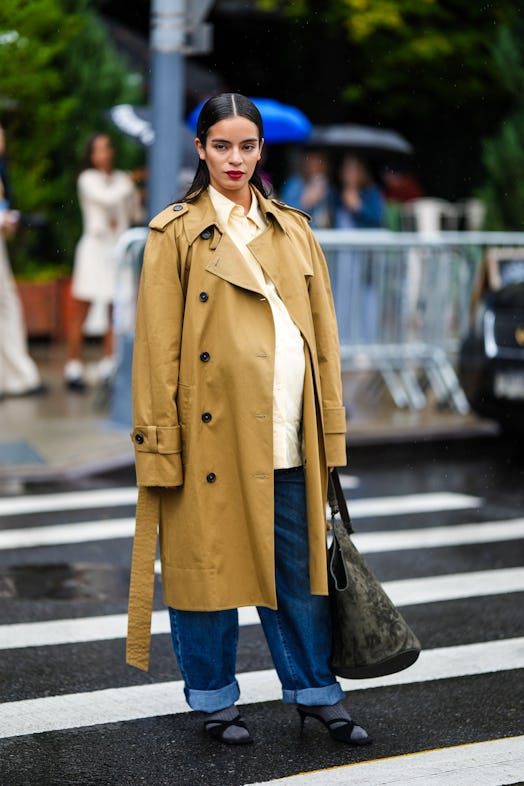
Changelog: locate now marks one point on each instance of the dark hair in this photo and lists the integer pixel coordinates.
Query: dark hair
(87, 158)
(215, 109)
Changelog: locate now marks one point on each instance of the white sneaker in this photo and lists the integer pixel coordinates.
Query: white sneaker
(74, 375)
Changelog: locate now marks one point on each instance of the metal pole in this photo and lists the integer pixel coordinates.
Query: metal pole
(167, 93)
(177, 30)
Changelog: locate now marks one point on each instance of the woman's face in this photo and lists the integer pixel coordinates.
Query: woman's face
(102, 153)
(315, 164)
(354, 172)
(231, 153)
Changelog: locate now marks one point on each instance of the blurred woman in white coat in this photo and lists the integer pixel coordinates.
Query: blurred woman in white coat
(19, 375)
(109, 204)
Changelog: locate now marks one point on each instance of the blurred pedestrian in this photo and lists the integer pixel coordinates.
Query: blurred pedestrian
(19, 375)
(311, 190)
(361, 200)
(400, 186)
(109, 204)
(361, 206)
(238, 416)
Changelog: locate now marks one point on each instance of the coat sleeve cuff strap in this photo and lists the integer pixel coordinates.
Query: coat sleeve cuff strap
(141, 588)
(157, 439)
(334, 420)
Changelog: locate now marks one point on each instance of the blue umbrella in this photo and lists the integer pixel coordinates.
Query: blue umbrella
(282, 122)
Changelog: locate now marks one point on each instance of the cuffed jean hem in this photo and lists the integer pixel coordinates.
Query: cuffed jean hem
(313, 697)
(213, 700)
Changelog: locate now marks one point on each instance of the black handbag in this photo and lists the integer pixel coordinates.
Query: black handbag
(370, 638)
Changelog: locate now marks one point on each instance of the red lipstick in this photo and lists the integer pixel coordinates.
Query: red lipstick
(234, 174)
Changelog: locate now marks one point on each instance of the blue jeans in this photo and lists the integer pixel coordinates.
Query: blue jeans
(298, 633)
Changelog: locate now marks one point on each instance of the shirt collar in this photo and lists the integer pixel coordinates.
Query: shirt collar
(224, 207)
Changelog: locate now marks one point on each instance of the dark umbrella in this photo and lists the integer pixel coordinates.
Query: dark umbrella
(282, 122)
(364, 139)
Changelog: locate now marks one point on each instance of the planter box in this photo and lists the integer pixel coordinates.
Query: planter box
(46, 307)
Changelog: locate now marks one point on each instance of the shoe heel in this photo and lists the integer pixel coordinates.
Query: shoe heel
(303, 716)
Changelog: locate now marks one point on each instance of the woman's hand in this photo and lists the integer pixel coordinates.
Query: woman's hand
(138, 175)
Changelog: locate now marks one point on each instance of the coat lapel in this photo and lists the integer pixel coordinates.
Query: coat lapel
(287, 274)
(228, 263)
(274, 251)
(263, 249)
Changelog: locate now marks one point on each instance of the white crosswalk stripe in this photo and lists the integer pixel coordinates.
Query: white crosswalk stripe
(71, 500)
(491, 763)
(102, 498)
(113, 529)
(407, 592)
(411, 503)
(349, 482)
(32, 716)
(62, 534)
(434, 589)
(432, 537)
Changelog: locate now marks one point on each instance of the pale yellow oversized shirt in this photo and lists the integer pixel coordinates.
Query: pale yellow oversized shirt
(288, 384)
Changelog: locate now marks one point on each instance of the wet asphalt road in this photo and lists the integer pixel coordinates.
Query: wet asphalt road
(83, 580)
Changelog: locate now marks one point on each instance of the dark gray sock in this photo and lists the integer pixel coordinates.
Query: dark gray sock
(227, 714)
(329, 712)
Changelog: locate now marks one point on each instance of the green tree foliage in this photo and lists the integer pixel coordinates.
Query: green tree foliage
(59, 73)
(434, 51)
(423, 67)
(503, 154)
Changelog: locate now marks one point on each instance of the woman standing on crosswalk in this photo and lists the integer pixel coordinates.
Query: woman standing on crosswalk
(238, 417)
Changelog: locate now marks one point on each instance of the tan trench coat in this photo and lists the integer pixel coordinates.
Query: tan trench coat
(203, 403)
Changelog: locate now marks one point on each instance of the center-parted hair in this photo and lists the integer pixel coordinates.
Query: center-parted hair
(222, 107)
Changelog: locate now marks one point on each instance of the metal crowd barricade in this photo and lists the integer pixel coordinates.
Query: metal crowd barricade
(129, 254)
(402, 303)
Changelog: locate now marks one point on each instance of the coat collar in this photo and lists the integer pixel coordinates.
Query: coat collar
(227, 262)
(201, 214)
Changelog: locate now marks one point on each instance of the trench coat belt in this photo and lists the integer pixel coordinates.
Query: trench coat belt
(142, 582)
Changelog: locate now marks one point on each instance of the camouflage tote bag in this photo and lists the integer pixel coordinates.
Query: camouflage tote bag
(370, 638)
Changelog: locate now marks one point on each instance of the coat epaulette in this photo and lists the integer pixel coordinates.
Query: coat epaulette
(289, 207)
(163, 219)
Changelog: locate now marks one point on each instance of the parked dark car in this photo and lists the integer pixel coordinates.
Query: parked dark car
(491, 363)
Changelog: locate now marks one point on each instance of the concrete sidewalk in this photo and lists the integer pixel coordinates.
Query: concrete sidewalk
(60, 435)
(68, 435)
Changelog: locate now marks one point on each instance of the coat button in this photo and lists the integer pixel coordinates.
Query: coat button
(211, 477)
(207, 417)
(177, 208)
(203, 296)
(139, 438)
(206, 234)
(204, 357)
